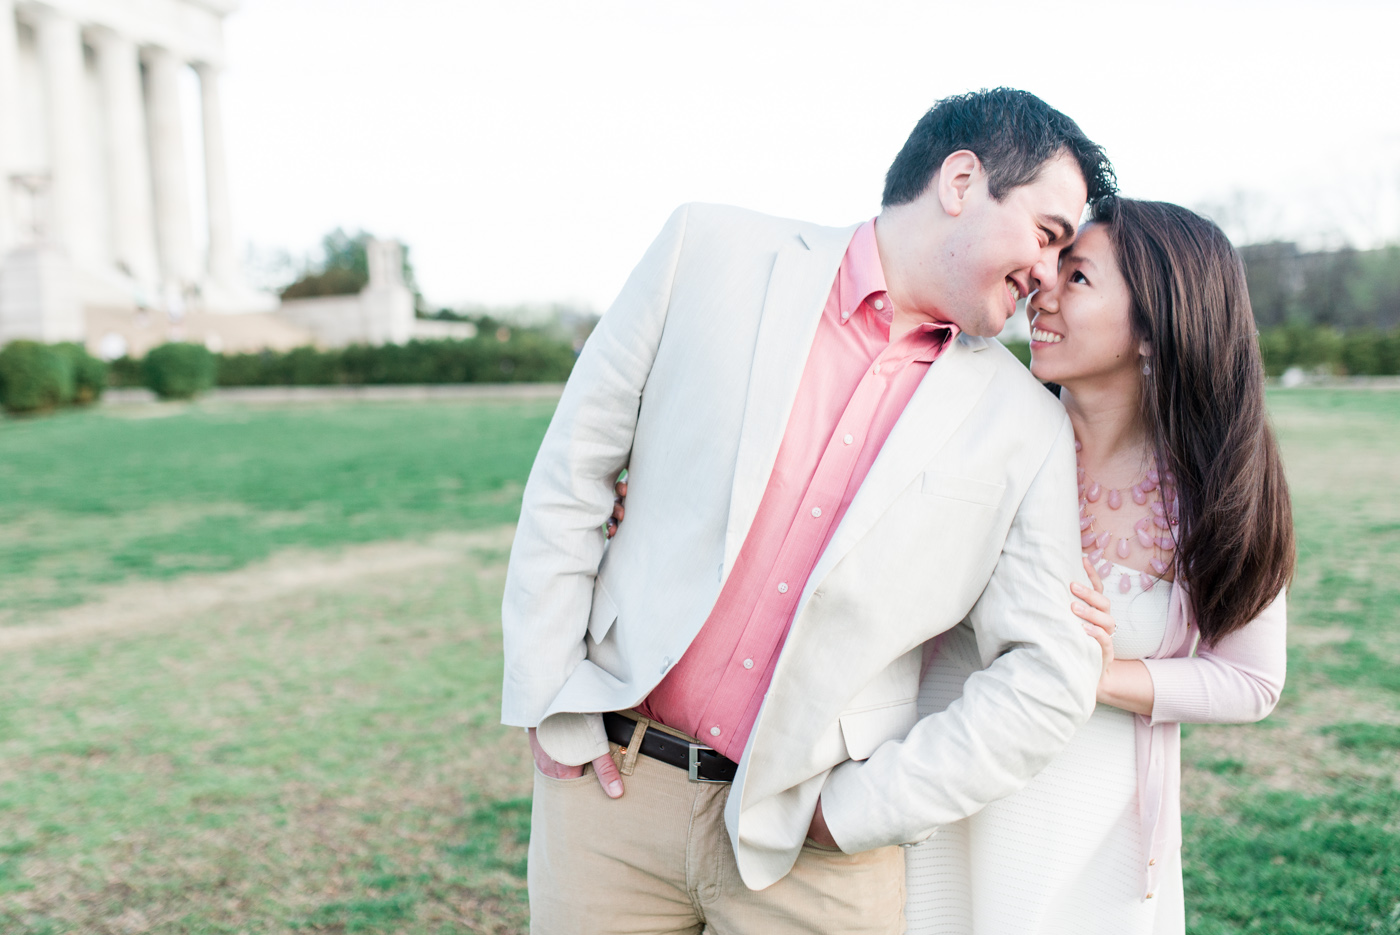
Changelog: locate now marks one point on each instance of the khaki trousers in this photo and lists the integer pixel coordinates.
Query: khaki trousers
(659, 860)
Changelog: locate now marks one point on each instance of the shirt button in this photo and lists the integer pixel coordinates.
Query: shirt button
(714, 731)
(1149, 895)
(1152, 862)
(782, 587)
(845, 316)
(848, 439)
(748, 663)
(816, 511)
(876, 369)
(879, 304)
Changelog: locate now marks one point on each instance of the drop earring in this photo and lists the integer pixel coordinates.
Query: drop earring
(1146, 368)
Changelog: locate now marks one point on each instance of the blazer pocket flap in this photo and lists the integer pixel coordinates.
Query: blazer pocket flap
(939, 484)
(864, 731)
(603, 613)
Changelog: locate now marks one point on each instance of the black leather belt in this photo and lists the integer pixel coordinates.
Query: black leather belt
(701, 763)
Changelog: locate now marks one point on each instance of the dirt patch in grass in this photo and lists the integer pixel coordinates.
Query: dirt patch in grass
(1297, 750)
(310, 743)
(147, 605)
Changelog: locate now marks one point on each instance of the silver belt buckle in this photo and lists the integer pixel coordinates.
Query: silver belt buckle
(694, 771)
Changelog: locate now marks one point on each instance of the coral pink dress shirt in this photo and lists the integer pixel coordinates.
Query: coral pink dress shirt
(854, 387)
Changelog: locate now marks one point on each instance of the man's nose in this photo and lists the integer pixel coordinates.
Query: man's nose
(1045, 272)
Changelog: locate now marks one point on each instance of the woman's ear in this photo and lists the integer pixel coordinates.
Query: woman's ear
(1144, 348)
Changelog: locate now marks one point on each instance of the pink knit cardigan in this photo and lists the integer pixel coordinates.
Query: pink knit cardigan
(1234, 682)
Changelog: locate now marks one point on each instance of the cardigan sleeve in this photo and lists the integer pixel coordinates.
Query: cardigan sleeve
(1237, 681)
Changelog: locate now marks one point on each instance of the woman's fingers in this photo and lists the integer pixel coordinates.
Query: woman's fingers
(1105, 643)
(1091, 597)
(1093, 572)
(1098, 618)
(618, 511)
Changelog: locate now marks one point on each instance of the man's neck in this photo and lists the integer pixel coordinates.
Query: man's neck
(900, 263)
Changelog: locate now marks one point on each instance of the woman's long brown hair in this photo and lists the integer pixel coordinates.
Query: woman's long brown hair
(1203, 403)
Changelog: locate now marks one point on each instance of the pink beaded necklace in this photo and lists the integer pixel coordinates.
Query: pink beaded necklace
(1155, 534)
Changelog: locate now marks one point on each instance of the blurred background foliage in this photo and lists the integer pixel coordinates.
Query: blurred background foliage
(1331, 312)
(342, 268)
(1326, 312)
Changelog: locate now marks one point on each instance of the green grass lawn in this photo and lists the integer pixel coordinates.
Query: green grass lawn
(90, 498)
(1293, 825)
(328, 759)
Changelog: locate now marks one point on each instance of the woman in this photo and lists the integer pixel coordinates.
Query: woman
(1187, 530)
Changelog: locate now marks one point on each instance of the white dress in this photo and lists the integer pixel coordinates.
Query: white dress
(1064, 855)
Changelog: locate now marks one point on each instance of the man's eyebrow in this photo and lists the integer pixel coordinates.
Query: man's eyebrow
(1066, 228)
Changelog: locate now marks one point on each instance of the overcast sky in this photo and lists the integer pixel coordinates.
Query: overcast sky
(529, 151)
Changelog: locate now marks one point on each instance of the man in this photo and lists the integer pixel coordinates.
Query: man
(829, 465)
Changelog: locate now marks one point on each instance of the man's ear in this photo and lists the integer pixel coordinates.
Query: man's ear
(955, 178)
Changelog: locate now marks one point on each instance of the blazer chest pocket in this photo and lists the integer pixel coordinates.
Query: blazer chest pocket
(864, 731)
(603, 613)
(956, 487)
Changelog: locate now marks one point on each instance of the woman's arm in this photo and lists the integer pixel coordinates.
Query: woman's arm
(1237, 681)
(1128, 685)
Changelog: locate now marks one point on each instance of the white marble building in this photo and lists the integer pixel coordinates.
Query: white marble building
(95, 195)
(97, 209)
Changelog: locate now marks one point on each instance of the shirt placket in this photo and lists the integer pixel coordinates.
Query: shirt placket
(750, 667)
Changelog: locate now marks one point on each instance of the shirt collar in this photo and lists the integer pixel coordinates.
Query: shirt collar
(861, 274)
(862, 277)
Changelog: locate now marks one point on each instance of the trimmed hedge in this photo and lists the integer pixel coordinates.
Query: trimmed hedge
(34, 377)
(89, 373)
(178, 370)
(525, 357)
(1353, 353)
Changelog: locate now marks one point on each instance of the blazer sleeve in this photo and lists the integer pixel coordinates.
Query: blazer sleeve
(569, 495)
(1237, 681)
(1014, 715)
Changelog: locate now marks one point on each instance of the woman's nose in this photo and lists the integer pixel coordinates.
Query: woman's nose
(1045, 299)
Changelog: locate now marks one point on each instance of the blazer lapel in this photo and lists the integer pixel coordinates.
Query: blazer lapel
(953, 385)
(803, 272)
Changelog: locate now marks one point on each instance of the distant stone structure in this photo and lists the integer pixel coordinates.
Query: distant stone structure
(382, 313)
(97, 238)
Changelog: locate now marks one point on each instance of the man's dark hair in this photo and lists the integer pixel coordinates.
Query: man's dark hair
(1014, 133)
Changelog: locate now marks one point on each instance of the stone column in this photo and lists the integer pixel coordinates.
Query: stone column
(9, 123)
(174, 227)
(71, 218)
(223, 256)
(128, 166)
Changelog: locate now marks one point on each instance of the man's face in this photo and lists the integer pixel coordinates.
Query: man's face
(1001, 251)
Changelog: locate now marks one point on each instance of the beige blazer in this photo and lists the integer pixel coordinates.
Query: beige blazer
(969, 512)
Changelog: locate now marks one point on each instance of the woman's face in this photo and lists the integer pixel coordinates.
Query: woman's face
(1080, 326)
